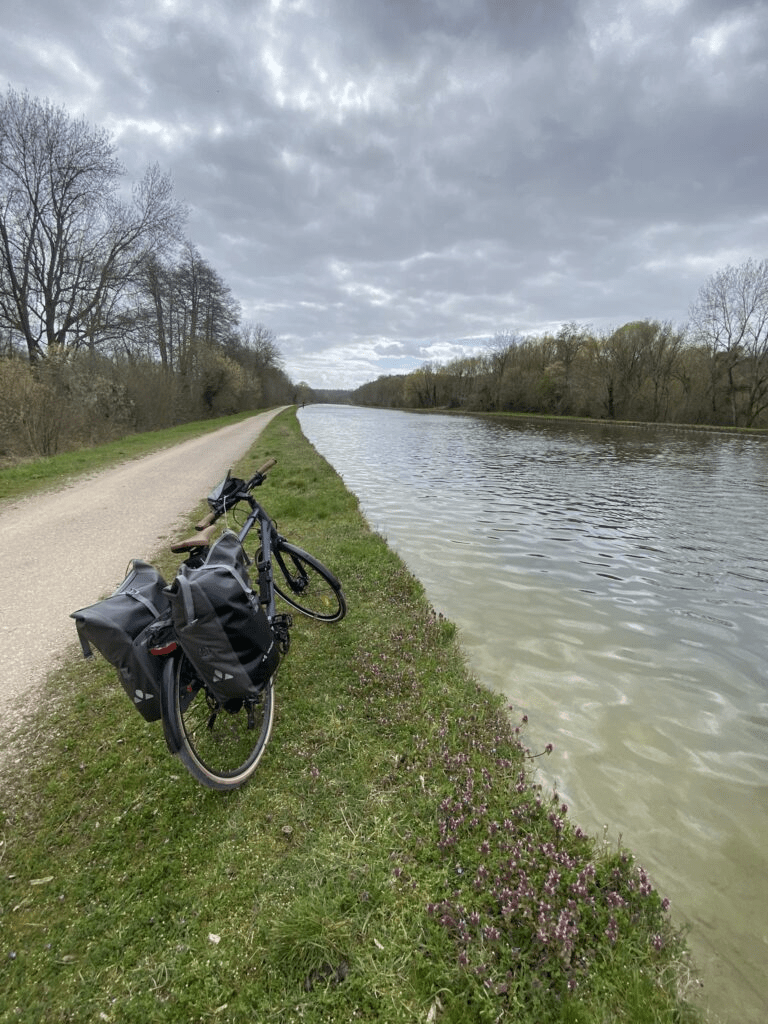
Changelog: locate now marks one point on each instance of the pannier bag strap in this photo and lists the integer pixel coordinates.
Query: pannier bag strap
(231, 571)
(186, 597)
(148, 604)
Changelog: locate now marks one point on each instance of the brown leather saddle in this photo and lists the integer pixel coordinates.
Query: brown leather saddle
(198, 540)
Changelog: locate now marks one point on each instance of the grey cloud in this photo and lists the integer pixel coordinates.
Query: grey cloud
(376, 181)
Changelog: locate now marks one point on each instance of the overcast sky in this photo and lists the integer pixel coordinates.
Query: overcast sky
(383, 182)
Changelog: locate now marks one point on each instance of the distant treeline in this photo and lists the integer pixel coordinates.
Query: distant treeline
(712, 371)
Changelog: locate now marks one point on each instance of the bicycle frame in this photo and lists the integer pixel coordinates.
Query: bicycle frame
(259, 516)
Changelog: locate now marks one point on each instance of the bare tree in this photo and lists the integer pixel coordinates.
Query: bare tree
(661, 348)
(154, 313)
(69, 243)
(499, 356)
(258, 346)
(254, 347)
(183, 305)
(569, 341)
(730, 318)
(211, 313)
(421, 386)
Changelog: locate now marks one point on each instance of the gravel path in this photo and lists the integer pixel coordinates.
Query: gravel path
(66, 549)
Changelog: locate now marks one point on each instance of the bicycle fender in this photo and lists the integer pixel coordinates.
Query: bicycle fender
(171, 733)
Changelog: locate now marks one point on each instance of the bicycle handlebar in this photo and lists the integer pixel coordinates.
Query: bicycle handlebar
(266, 467)
(206, 521)
(219, 502)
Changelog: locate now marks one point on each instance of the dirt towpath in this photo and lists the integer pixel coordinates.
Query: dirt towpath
(66, 549)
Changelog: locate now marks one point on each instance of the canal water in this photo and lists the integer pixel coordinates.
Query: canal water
(612, 582)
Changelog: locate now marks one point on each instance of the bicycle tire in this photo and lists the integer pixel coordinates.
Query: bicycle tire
(305, 584)
(220, 752)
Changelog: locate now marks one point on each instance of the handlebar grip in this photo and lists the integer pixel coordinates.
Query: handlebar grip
(263, 470)
(206, 521)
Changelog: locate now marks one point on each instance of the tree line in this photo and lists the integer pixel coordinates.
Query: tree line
(713, 370)
(110, 318)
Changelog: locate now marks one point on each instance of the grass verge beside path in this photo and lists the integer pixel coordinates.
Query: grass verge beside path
(391, 860)
(34, 475)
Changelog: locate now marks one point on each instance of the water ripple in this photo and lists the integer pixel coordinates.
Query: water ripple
(613, 584)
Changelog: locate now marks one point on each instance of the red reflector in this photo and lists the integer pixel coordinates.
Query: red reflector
(167, 649)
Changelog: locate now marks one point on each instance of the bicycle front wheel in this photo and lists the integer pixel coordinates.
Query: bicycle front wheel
(305, 584)
(220, 746)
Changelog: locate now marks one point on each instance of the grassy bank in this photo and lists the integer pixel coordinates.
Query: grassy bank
(30, 476)
(392, 859)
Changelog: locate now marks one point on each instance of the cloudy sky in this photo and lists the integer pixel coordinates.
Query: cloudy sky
(383, 182)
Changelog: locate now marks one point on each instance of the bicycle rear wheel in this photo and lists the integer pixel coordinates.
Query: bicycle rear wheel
(305, 583)
(220, 746)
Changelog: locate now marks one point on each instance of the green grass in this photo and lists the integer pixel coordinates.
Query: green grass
(35, 475)
(392, 859)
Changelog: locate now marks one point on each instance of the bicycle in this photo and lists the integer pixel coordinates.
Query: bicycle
(221, 744)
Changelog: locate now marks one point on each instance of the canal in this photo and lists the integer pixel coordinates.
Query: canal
(612, 582)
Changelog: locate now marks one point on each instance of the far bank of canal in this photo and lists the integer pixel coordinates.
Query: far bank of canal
(612, 582)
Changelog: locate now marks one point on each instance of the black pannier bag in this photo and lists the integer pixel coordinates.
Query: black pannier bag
(122, 626)
(221, 626)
